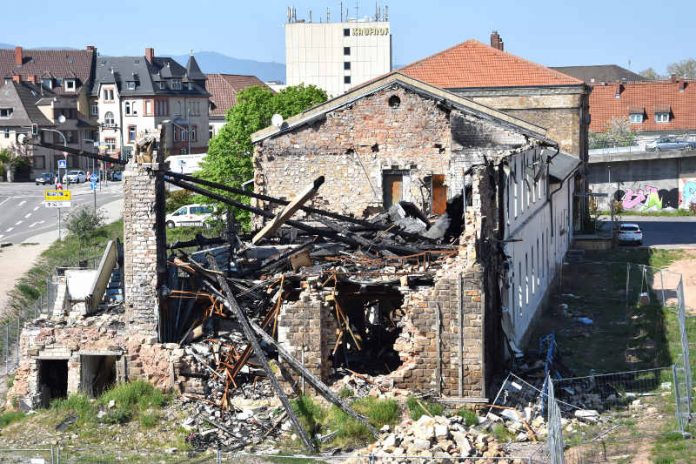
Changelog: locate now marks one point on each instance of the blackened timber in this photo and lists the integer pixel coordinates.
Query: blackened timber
(261, 355)
(261, 212)
(75, 151)
(308, 209)
(313, 380)
(368, 243)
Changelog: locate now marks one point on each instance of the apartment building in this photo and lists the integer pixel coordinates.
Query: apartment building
(38, 87)
(223, 89)
(133, 96)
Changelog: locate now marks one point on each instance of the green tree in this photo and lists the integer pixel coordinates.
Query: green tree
(651, 74)
(684, 69)
(229, 154)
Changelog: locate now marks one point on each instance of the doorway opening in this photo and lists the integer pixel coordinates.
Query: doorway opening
(53, 380)
(97, 374)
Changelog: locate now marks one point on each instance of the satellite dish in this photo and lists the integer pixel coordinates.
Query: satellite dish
(61, 119)
(21, 138)
(277, 120)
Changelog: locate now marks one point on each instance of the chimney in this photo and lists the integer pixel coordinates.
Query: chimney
(673, 78)
(19, 56)
(33, 78)
(496, 41)
(91, 48)
(17, 78)
(682, 85)
(150, 54)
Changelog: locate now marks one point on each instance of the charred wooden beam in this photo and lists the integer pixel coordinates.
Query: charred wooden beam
(308, 209)
(287, 212)
(77, 152)
(261, 355)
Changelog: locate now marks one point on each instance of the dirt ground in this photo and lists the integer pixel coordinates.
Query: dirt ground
(687, 269)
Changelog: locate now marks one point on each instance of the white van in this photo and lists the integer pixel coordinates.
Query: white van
(189, 215)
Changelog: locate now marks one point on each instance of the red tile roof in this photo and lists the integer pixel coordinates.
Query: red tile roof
(651, 97)
(474, 64)
(223, 89)
(56, 63)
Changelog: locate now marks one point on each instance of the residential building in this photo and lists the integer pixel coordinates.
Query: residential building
(223, 90)
(400, 139)
(337, 56)
(27, 106)
(597, 74)
(39, 86)
(132, 96)
(518, 87)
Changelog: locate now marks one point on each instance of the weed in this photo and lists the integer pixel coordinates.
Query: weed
(469, 416)
(134, 395)
(345, 393)
(10, 417)
(501, 434)
(379, 412)
(149, 419)
(9, 381)
(310, 413)
(118, 415)
(78, 404)
(417, 407)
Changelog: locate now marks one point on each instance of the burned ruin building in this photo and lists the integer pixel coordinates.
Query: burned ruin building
(495, 181)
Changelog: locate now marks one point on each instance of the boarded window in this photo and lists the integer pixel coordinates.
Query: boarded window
(439, 192)
(393, 188)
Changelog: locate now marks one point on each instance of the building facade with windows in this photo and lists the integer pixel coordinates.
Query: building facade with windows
(133, 96)
(337, 56)
(39, 86)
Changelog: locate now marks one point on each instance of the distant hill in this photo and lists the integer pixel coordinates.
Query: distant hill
(2, 45)
(214, 62)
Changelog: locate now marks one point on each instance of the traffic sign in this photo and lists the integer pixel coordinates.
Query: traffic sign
(57, 204)
(57, 195)
(62, 164)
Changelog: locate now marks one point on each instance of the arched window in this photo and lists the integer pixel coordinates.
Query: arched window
(109, 118)
(128, 108)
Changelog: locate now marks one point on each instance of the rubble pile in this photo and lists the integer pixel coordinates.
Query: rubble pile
(436, 437)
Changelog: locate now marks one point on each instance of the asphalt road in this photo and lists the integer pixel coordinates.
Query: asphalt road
(23, 215)
(666, 232)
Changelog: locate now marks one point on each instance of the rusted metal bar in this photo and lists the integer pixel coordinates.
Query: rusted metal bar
(249, 333)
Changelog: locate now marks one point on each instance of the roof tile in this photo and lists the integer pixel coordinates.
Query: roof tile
(474, 64)
(224, 88)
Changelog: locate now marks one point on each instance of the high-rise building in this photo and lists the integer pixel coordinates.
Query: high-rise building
(337, 56)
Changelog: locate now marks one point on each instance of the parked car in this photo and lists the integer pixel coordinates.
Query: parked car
(45, 178)
(189, 215)
(74, 177)
(630, 234)
(669, 143)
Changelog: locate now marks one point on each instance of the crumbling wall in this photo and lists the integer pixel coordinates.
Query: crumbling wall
(353, 146)
(307, 331)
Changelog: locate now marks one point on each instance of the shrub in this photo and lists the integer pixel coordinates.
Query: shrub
(178, 198)
(77, 404)
(417, 407)
(149, 419)
(119, 415)
(345, 392)
(84, 222)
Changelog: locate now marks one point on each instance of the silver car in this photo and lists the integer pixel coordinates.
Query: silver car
(74, 176)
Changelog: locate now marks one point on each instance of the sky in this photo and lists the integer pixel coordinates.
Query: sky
(551, 32)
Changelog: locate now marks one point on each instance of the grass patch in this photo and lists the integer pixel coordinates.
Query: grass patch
(502, 434)
(318, 420)
(676, 212)
(11, 416)
(77, 404)
(417, 407)
(469, 416)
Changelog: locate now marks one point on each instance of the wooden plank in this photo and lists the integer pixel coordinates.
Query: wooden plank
(288, 211)
(439, 194)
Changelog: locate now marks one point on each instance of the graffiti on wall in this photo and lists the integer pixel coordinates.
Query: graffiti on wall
(688, 192)
(647, 197)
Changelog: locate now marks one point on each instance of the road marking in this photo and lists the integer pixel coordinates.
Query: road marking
(27, 216)
(22, 202)
(6, 199)
(1, 236)
(36, 223)
(36, 207)
(18, 223)
(9, 229)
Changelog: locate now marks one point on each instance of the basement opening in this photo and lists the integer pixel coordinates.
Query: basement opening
(365, 338)
(97, 374)
(53, 380)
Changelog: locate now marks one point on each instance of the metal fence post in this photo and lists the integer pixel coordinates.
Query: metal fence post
(219, 456)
